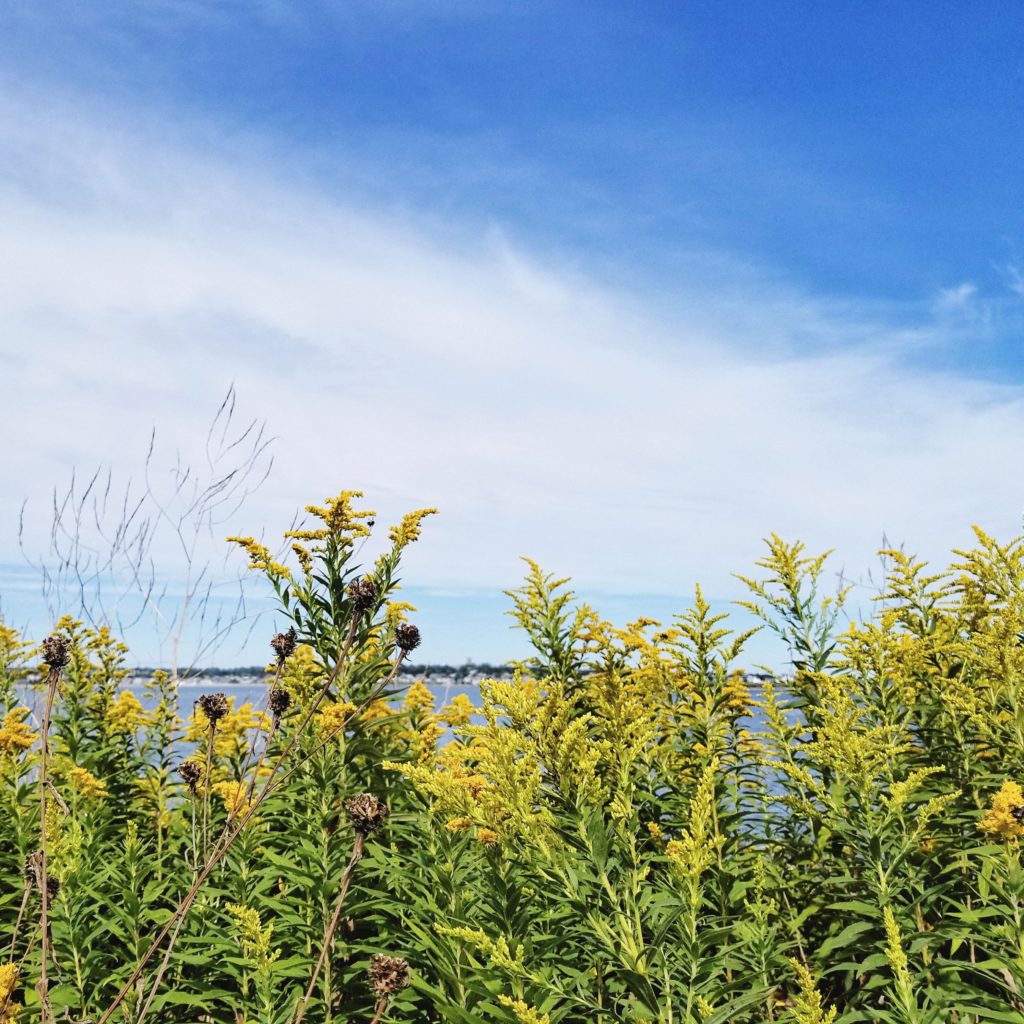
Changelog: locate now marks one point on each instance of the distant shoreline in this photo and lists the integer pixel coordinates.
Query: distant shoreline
(467, 673)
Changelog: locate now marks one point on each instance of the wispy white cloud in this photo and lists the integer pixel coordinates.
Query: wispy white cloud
(638, 444)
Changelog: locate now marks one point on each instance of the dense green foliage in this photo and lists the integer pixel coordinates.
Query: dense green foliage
(629, 830)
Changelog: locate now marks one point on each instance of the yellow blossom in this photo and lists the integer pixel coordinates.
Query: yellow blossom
(487, 836)
(332, 718)
(260, 557)
(8, 982)
(410, 527)
(807, 1008)
(394, 612)
(377, 710)
(524, 1013)
(1000, 821)
(419, 698)
(341, 521)
(458, 712)
(459, 824)
(86, 783)
(15, 734)
(125, 714)
(254, 936)
(305, 557)
(233, 795)
(230, 739)
(301, 676)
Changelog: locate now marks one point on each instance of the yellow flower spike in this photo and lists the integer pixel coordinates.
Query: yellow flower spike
(86, 783)
(126, 714)
(409, 529)
(459, 824)
(260, 557)
(1000, 820)
(487, 836)
(301, 675)
(894, 951)
(807, 1008)
(15, 734)
(418, 699)
(8, 982)
(424, 741)
(254, 938)
(523, 1012)
(304, 556)
(377, 710)
(394, 612)
(341, 521)
(332, 718)
(458, 712)
(233, 796)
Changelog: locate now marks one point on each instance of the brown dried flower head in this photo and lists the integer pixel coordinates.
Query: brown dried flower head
(279, 702)
(407, 637)
(362, 594)
(388, 974)
(32, 864)
(214, 705)
(57, 650)
(367, 813)
(284, 644)
(52, 887)
(191, 773)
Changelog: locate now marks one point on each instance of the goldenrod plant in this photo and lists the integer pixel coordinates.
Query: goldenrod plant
(630, 827)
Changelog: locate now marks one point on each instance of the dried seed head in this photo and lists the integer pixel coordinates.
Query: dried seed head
(279, 702)
(367, 813)
(284, 644)
(52, 887)
(191, 773)
(214, 705)
(388, 974)
(32, 863)
(362, 594)
(407, 637)
(57, 650)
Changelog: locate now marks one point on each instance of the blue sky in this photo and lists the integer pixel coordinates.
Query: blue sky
(661, 277)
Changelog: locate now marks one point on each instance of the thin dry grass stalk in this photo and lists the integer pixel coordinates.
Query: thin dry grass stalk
(56, 654)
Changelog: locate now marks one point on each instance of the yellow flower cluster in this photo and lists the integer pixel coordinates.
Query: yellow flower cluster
(126, 714)
(341, 521)
(499, 951)
(15, 734)
(231, 736)
(8, 982)
(524, 1013)
(418, 699)
(377, 710)
(233, 795)
(85, 783)
(409, 529)
(458, 712)
(301, 676)
(260, 557)
(254, 937)
(807, 1008)
(332, 718)
(999, 820)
